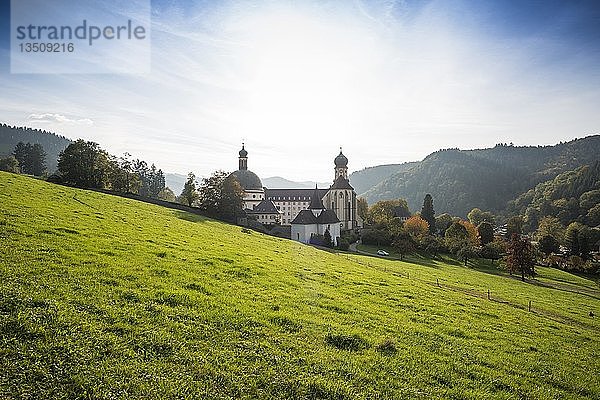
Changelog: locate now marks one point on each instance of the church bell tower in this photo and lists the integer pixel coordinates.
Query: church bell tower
(243, 160)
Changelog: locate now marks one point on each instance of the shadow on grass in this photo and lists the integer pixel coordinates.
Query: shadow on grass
(414, 258)
(190, 217)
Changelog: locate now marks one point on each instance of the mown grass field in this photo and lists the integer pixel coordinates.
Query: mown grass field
(104, 297)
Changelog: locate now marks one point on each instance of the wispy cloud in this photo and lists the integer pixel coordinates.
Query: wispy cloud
(389, 80)
(59, 118)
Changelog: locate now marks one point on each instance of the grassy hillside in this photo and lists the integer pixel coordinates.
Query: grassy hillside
(460, 180)
(104, 297)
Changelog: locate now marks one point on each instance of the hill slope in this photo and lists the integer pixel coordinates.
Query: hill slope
(366, 178)
(571, 196)
(105, 297)
(460, 180)
(53, 144)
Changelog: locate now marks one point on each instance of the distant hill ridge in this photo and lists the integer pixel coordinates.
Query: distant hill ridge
(366, 178)
(460, 180)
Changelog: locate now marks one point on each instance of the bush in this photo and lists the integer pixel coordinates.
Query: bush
(377, 237)
(574, 263)
(54, 178)
(343, 244)
(350, 236)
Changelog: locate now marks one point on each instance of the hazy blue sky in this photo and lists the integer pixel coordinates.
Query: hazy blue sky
(390, 81)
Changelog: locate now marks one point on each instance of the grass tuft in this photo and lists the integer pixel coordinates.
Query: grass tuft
(347, 342)
(387, 347)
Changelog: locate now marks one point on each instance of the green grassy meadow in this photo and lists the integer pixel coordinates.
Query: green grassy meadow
(110, 298)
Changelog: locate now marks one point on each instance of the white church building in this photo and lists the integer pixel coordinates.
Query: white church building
(309, 212)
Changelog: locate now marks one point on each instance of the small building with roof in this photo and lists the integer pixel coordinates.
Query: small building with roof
(315, 221)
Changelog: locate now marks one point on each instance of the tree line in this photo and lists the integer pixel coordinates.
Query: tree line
(478, 237)
(52, 143)
(26, 158)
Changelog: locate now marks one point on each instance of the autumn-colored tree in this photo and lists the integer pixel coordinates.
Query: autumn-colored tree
(416, 227)
(521, 256)
(472, 232)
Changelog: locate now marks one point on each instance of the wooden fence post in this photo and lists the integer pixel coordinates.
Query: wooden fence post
(530, 305)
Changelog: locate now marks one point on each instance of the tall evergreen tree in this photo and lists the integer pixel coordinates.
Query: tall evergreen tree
(31, 158)
(37, 159)
(189, 194)
(428, 213)
(327, 242)
(21, 153)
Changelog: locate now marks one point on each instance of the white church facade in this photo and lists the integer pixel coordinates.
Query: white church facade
(332, 209)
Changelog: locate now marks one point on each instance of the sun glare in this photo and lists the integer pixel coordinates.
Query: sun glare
(301, 65)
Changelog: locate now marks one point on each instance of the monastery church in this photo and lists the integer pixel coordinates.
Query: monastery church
(308, 212)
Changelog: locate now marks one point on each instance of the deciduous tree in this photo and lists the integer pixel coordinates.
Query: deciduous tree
(84, 164)
(443, 222)
(485, 232)
(383, 211)
(456, 236)
(404, 244)
(476, 217)
(9, 164)
(521, 256)
(167, 195)
(514, 225)
(362, 208)
(416, 227)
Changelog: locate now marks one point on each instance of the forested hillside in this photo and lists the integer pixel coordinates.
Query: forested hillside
(366, 178)
(460, 180)
(571, 196)
(53, 144)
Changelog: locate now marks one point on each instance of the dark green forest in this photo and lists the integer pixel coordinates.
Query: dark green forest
(571, 196)
(52, 143)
